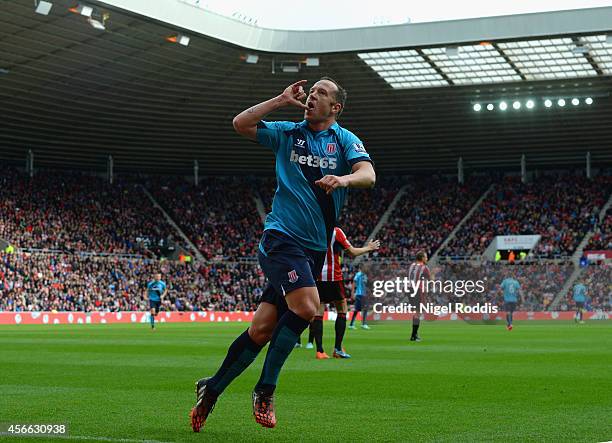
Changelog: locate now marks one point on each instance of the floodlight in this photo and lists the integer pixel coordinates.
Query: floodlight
(290, 67)
(179, 38)
(82, 9)
(43, 7)
(96, 24)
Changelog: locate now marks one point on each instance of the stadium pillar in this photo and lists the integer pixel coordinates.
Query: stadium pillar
(460, 170)
(523, 169)
(588, 165)
(30, 163)
(196, 169)
(110, 166)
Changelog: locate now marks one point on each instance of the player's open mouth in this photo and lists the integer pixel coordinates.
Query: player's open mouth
(310, 106)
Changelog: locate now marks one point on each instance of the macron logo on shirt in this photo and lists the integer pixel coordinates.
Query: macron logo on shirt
(313, 160)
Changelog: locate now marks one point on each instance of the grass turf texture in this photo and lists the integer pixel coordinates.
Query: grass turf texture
(548, 381)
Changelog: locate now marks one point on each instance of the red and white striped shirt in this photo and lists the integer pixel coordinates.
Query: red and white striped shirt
(332, 270)
(418, 272)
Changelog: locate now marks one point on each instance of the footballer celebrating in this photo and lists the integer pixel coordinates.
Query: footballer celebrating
(316, 161)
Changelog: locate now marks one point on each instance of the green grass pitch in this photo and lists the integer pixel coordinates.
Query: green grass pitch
(547, 381)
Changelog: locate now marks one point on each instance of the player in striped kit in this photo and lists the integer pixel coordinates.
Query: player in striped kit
(417, 273)
(331, 289)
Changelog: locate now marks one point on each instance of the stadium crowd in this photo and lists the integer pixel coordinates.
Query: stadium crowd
(219, 216)
(602, 237)
(598, 280)
(70, 211)
(77, 213)
(540, 282)
(67, 282)
(427, 212)
(561, 208)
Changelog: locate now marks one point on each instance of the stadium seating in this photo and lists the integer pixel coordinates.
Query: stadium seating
(63, 282)
(561, 208)
(219, 216)
(427, 213)
(602, 238)
(72, 214)
(540, 282)
(598, 280)
(70, 211)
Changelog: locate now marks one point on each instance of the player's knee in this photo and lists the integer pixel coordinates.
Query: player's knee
(306, 310)
(261, 333)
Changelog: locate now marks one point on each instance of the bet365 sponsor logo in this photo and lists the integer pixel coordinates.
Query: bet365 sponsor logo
(313, 160)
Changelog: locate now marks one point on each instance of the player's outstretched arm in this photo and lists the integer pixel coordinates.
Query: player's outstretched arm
(245, 123)
(372, 245)
(362, 176)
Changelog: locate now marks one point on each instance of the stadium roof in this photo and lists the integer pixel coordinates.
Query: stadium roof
(74, 94)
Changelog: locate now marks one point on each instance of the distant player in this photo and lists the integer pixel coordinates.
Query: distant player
(156, 289)
(580, 298)
(418, 272)
(360, 282)
(332, 290)
(511, 288)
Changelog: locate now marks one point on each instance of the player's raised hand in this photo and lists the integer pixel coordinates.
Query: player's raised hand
(373, 245)
(331, 182)
(294, 94)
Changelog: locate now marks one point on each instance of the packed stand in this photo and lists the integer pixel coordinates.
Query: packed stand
(540, 282)
(427, 213)
(219, 216)
(598, 280)
(560, 208)
(602, 237)
(64, 282)
(364, 208)
(71, 211)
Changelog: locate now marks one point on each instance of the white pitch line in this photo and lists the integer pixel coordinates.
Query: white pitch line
(85, 437)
